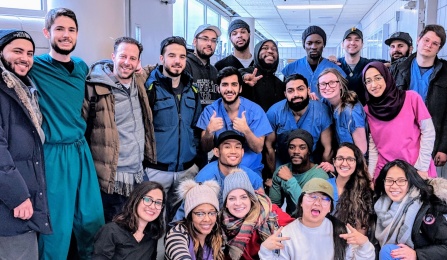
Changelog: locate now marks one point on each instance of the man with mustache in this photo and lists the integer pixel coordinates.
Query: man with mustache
(297, 111)
(239, 33)
(289, 178)
(176, 107)
(119, 124)
(23, 199)
(74, 199)
(310, 66)
(401, 45)
(232, 112)
(426, 74)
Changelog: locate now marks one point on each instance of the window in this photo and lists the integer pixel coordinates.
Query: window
(23, 7)
(196, 17)
(179, 18)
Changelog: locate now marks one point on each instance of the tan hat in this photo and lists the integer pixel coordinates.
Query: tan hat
(319, 185)
(195, 194)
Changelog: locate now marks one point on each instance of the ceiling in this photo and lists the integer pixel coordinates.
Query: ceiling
(286, 26)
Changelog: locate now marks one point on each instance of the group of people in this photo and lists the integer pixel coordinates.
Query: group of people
(209, 156)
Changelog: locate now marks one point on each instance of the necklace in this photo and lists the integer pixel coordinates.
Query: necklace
(351, 73)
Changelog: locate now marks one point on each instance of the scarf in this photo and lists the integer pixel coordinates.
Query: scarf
(238, 231)
(29, 100)
(394, 227)
(388, 105)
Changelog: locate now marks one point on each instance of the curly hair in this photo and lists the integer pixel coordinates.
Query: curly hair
(355, 205)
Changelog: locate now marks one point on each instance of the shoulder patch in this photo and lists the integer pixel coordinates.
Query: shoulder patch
(150, 86)
(195, 89)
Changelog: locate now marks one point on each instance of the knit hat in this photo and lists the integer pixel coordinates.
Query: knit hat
(204, 27)
(318, 185)
(313, 30)
(237, 179)
(229, 134)
(303, 135)
(402, 36)
(8, 35)
(195, 194)
(236, 24)
(354, 31)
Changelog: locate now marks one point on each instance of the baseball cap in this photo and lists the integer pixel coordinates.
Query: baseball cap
(204, 27)
(318, 185)
(403, 36)
(354, 31)
(229, 134)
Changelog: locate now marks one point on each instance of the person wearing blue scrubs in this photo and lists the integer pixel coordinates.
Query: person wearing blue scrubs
(231, 112)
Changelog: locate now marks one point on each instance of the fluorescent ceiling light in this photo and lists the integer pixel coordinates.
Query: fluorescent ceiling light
(305, 7)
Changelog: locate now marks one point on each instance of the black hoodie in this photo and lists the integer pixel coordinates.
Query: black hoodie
(269, 89)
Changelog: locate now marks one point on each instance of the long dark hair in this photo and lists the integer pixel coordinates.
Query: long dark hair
(338, 228)
(355, 205)
(128, 218)
(213, 240)
(413, 178)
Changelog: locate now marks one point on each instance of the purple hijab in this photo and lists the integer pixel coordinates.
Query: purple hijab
(388, 105)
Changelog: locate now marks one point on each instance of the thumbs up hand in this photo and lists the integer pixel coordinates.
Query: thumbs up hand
(240, 124)
(215, 124)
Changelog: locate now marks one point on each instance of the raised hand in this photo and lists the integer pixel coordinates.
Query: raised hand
(215, 124)
(240, 124)
(327, 167)
(274, 241)
(355, 237)
(285, 173)
(252, 79)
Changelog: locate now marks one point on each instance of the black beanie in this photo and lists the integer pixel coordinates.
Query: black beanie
(313, 30)
(303, 135)
(8, 35)
(236, 24)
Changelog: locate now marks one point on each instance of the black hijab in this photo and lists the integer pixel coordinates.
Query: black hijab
(388, 105)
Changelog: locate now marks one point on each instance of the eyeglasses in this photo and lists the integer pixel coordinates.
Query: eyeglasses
(201, 215)
(311, 198)
(148, 201)
(375, 79)
(331, 84)
(340, 160)
(399, 182)
(206, 39)
(427, 42)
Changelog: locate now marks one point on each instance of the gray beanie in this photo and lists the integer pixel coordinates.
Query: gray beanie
(236, 24)
(303, 135)
(313, 30)
(237, 179)
(195, 194)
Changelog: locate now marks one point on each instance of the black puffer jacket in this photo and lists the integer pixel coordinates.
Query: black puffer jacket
(269, 89)
(21, 167)
(436, 95)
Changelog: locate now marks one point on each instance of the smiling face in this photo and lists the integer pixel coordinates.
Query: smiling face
(148, 214)
(173, 60)
(238, 203)
(205, 44)
(18, 55)
(230, 153)
(125, 61)
(202, 220)
(268, 53)
(345, 162)
(395, 192)
(315, 211)
(230, 89)
(352, 44)
(314, 46)
(296, 94)
(399, 49)
(375, 83)
(63, 35)
(429, 45)
(332, 88)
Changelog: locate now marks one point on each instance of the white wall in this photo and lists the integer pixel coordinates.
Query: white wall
(442, 20)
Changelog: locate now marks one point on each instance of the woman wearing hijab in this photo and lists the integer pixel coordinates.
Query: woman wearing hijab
(399, 123)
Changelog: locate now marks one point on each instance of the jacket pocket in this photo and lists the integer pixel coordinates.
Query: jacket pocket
(165, 113)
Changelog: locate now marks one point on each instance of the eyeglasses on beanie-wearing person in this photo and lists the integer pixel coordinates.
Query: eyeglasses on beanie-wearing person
(134, 232)
(410, 213)
(316, 234)
(247, 218)
(399, 123)
(198, 235)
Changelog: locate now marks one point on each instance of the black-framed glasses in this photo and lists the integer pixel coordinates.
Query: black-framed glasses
(311, 198)
(399, 182)
(331, 84)
(375, 79)
(201, 215)
(206, 39)
(340, 160)
(148, 201)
